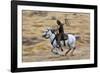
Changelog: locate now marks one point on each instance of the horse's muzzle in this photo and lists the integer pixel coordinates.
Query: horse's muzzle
(43, 35)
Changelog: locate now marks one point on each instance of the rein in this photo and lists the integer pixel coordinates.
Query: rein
(53, 40)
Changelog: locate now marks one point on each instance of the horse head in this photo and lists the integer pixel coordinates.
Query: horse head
(47, 33)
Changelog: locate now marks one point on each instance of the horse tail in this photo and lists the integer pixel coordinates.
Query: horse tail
(77, 37)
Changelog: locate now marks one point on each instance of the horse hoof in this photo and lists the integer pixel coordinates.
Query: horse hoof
(65, 55)
(62, 55)
(72, 54)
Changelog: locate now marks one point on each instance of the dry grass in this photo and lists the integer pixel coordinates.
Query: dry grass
(36, 48)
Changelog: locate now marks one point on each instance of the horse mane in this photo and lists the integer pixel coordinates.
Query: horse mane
(53, 31)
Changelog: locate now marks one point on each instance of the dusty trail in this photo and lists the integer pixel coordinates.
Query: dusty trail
(48, 56)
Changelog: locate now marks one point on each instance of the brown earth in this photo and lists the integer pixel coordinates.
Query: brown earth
(36, 48)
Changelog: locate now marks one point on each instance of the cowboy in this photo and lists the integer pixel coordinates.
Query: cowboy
(60, 33)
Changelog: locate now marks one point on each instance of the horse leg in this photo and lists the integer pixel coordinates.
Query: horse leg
(61, 48)
(73, 51)
(54, 50)
(67, 51)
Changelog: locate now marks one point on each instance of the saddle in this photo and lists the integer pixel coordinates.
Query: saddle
(65, 37)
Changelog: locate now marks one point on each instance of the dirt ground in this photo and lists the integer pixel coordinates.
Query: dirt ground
(36, 48)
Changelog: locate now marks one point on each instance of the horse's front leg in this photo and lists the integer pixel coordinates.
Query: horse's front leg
(61, 48)
(54, 50)
(60, 52)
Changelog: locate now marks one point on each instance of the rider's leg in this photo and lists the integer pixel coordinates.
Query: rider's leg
(63, 39)
(59, 38)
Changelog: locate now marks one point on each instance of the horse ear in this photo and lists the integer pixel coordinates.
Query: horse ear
(48, 28)
(52, 31)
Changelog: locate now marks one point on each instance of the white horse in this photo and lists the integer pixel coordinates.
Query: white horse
(70, 42)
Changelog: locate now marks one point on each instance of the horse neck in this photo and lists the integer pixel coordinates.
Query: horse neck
(52, 36)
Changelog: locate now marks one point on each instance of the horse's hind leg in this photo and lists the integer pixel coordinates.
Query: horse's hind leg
(67, 51)
(73, 51)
